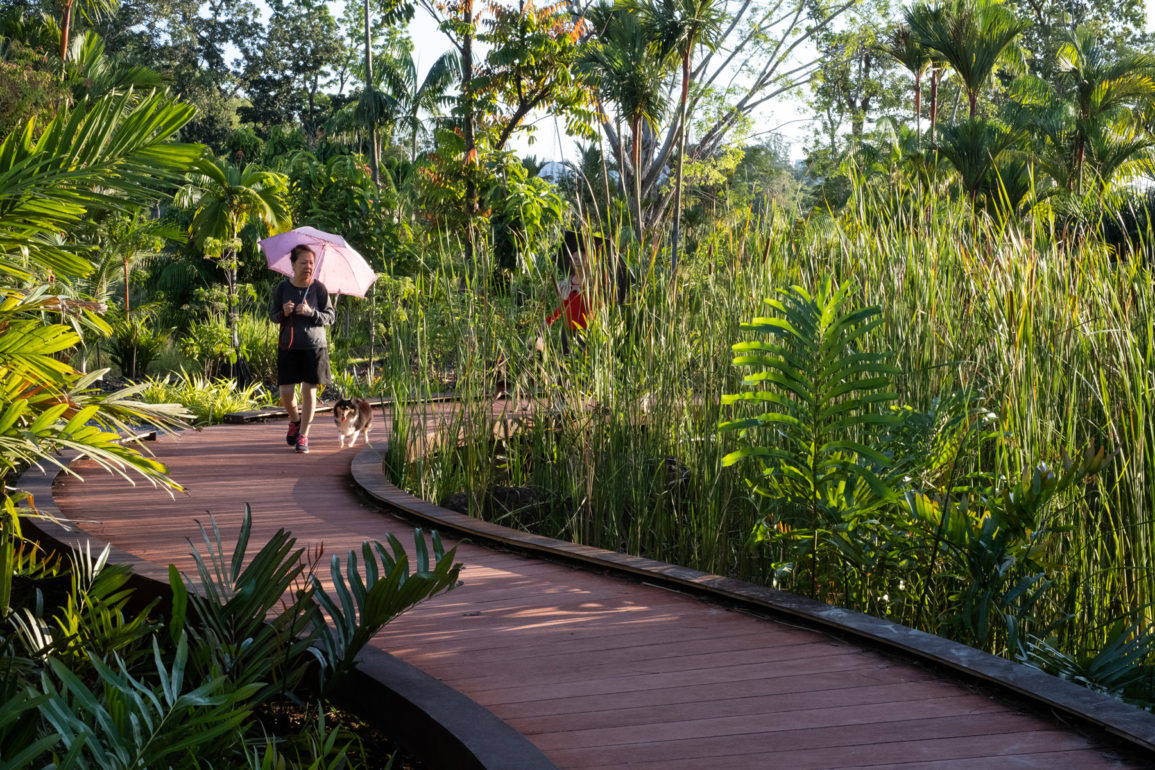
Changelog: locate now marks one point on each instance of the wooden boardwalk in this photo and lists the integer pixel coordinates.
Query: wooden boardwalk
(597, 671)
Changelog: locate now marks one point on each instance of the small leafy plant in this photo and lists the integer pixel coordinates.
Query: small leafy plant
(817, 394)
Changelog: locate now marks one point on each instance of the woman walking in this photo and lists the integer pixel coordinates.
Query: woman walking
(301, 305)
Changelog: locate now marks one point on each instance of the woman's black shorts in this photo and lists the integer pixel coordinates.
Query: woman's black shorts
(309, 365)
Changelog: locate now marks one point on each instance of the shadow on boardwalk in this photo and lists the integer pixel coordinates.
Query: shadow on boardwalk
(597, 671)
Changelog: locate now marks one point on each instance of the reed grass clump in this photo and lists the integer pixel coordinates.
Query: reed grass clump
(1014, 346)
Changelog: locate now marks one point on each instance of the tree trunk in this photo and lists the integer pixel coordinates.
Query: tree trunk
(374, 152)
(65, 29)
(1076, 181)
(231, 321)
(684, 119)
(934, 76)
(636, 151)
(918, 110)
(126, 289)
(468, 128)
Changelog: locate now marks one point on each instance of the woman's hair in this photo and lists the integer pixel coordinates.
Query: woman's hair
(299, 250)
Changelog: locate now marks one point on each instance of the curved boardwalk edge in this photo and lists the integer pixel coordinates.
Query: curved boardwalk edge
(437, 723)
(1125, 721)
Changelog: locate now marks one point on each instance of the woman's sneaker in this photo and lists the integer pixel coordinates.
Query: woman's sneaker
(302, 445)
(294, 431)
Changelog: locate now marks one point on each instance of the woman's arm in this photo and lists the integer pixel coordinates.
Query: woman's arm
(324, 313)
(275, 305)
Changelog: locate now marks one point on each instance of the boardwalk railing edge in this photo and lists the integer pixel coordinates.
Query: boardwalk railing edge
(437, 723)
(1121, 719)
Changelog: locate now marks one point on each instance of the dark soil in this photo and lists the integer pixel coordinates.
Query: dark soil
(369, 748)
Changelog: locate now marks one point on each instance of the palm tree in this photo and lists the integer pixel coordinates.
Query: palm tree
(227, 198)
(973, 147)
(914, 16)
(901, 45)
(1104, 90)
(621, 61)
(91, 73)
(1127, 152)
(125, 242)
(974, 37)
(677, 28)
(92, 10)
(411, 99)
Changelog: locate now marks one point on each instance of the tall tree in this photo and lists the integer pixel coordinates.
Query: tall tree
(855, 80)
(202, 48)
(763, 56)
(630, 78)
(414, 99)
(1118, 24)
(303, 47)
(530, 65)
(458, 20)
(900, 45)
(1103, 87)
(920, 15)
(1092, 114)
(678, 28)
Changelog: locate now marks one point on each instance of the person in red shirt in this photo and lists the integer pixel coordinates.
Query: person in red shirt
(590, 276)
(574, 307)
(574, 261)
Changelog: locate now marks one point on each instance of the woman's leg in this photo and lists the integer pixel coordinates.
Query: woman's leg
(308, 406)
(288, 400)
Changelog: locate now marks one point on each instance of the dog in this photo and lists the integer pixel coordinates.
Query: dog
(352, 416)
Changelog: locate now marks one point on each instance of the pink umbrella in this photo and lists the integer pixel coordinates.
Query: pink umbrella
(339, 266)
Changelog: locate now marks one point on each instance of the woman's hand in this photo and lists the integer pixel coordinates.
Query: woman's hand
(304, 309)
(287, 309)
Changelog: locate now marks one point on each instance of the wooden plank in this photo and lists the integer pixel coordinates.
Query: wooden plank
(739, 703)
(628, 681)
(603, 665)
(880, 715)
(981, 735)
(1042, 760)
(774, 689)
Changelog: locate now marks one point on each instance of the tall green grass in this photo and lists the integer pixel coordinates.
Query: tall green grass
(1054, 337)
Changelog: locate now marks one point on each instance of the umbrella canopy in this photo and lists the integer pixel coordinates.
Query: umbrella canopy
(339, 267)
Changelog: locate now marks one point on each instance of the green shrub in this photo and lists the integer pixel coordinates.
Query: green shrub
(135, 342)
(208, 400)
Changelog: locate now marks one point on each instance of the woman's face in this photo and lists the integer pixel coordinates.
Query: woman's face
(303, 268)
